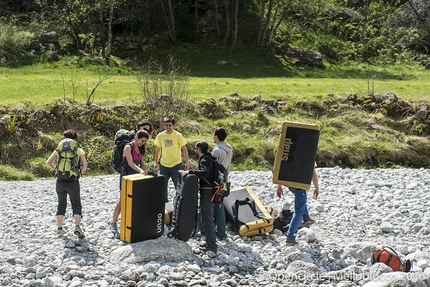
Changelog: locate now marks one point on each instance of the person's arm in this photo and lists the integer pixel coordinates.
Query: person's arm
(143, 166)
(279, 191)
(129, 158)
(83, 162)
(203, 172)
(216, 154)
(50, 161)
(315, 182)
(185, 153)
(157, 157)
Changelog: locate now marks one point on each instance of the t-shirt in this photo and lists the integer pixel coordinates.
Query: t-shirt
(170, 145)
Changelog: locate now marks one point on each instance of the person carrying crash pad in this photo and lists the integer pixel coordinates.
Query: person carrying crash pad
(300, 207)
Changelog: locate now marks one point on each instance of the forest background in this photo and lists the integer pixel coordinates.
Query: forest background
(358, 68)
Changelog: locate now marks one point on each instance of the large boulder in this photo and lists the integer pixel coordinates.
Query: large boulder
(304, 57)
(412, 14)
(161, 249)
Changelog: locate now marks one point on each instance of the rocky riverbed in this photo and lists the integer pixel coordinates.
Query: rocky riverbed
(356, 212)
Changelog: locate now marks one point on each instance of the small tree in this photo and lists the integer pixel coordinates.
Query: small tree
(164, 91)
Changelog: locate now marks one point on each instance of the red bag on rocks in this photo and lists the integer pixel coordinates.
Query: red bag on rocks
(389, 256)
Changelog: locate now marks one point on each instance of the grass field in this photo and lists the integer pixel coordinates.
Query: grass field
(41, 83)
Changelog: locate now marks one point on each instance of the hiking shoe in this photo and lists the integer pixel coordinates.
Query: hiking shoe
(291, 241)
(308, 221)
(60, 231)
(79, 232)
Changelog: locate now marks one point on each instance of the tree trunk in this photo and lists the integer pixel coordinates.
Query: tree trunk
(267, 23)
(197, 17)
(235, 19)
(260, 29)
(109, 41)
(147, 13)
(275, 27)
(170, 19)
(227, 23)
(216, 18)
(102, 28)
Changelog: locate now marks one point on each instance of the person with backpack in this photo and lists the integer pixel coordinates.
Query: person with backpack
(133, 163)
(206, 174)
(122, 138)
(223, 152)
(70, 164)
(169, 145)
(300, 207)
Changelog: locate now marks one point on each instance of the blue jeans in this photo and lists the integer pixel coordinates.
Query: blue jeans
(207, 210)
(170, 172)
(300, 211)
(220, 221)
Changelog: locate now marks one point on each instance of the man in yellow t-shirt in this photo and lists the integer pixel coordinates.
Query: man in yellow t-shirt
(169, 144)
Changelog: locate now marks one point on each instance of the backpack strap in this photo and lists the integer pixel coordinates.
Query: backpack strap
(213, 172)
(235, 208)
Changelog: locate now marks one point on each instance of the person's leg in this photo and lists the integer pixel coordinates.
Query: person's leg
(116, 211)
(174, 174)
(306, 213)
(219, 214)
(77, 218)
(207, 208)
(74, 192)
(164, 171)
(300, 199)
(199, 220)
(62, 202)
(60, 219)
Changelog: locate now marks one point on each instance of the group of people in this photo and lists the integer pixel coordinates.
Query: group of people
(170, 147)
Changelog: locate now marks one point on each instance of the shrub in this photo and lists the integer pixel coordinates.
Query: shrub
(14, 42)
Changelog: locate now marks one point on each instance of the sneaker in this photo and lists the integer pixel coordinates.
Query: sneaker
(291, 241)
(79, 232)
(114, 228)
(222, 237)
(207, 249)
(308, 221)
(60, 231)
(200, 234)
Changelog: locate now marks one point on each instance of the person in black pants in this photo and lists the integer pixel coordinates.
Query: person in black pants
(205, 173)
(69, 186)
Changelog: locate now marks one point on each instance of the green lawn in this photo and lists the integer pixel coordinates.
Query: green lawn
(40, 83)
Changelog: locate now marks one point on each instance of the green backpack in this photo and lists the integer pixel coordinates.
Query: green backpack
(67, 159)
